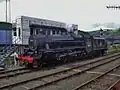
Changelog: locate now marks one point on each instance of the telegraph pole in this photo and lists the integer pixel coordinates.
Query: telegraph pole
(9, 11)
(6, 10)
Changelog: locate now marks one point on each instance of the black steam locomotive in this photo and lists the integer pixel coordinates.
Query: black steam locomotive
(62, 48)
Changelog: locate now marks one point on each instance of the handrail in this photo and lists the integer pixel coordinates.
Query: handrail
(8, 47)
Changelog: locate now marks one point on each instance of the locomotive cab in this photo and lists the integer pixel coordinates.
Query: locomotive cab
(99, 46)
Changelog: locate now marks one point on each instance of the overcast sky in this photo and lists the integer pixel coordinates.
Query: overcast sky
(81, 12)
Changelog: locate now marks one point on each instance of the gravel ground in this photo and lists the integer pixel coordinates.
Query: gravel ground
(117, 71)
(44, 80)
(28, 76)
(99, 85)
(68, 84)
(71, 83)
(105, 67)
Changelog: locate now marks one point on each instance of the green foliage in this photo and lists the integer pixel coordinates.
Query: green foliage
(118, 29)
(114, 48)
(107, 32)
(9, 61)
(117, 32)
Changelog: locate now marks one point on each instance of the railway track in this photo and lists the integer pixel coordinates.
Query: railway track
(89, 84)
(22, 70)
(113, 85)
(58, 76)
(68, 75)
(15, 73)
(107, 80)
(116, 84)
(12, 70)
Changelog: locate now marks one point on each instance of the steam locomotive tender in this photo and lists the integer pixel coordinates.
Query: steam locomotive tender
(61, 48)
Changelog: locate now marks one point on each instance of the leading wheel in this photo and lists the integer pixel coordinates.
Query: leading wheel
(35, 64)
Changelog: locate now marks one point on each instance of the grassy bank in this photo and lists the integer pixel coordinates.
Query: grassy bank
(113, 49)
(9, 61)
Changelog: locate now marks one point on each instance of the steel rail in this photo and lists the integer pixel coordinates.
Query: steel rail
(94, 79)
(110, 88)
(13, 70)
(15, 74)
(66, 77)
